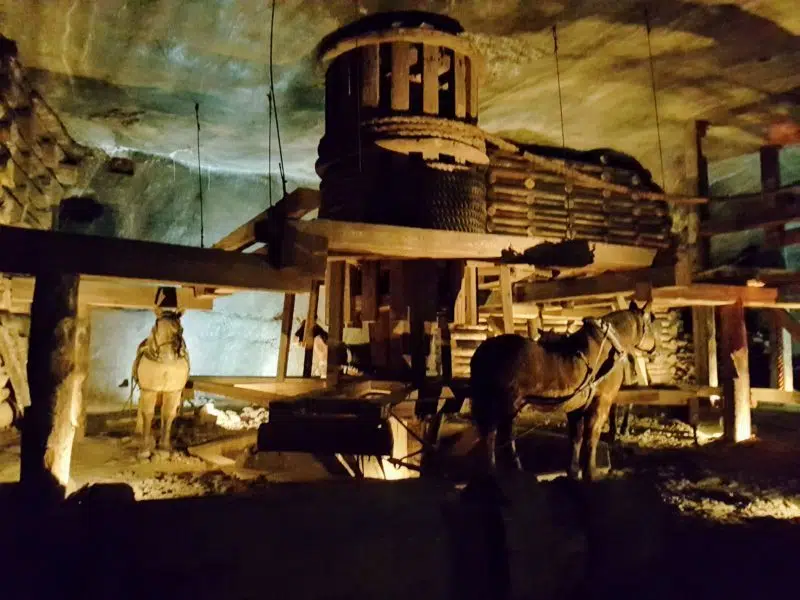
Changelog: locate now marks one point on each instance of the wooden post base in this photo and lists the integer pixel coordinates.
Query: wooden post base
(56, 370)
(735, 373)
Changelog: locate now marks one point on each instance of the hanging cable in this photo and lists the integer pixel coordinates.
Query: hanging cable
(655, 99)
(199, 174)
(558, 82)
(274, 102)
(269, 149)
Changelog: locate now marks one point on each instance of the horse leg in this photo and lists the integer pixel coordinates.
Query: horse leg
(169, 408)
(626, 420)
(144, 420)
(596, 417)
(575, 423)
(613, 430)
(505, 447)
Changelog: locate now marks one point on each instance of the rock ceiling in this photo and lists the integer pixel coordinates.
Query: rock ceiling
(125, 74)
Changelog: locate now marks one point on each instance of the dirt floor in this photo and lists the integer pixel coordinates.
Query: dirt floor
(670, 518)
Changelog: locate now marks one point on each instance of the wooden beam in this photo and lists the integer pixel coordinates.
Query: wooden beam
(335, 322)
(746, 220)
(608, 285)
(709, 294)
(56, 371)
(112, 294)
(287, 320)
(735, 373)
(296, 204)
(471, 294)
(368, 240)
(680, 396)
(308, 332)
(32, 251)
(507, 299)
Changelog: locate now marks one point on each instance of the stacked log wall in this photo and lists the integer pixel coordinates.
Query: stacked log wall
(525, 199)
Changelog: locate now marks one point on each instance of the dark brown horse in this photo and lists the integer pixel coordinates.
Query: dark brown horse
(579, 374)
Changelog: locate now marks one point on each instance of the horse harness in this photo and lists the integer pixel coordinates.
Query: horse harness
(595, 374)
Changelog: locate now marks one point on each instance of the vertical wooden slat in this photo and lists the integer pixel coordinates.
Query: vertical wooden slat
(735, 373)
(369, 291)
(308, 333)
(401, 82)
(472, 89)
(398, 320)
(370, 76)
(348, 304)
(507, 298)
(335, 321)
(430, 79)
(461, 85)
(471, 294)
(286, 335)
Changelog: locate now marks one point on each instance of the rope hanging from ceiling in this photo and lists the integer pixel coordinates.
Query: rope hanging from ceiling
(273, 103)
(199, 174)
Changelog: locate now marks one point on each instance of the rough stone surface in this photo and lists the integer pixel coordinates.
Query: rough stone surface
(125, 75)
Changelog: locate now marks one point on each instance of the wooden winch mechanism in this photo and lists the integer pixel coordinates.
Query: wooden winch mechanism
(372, 274)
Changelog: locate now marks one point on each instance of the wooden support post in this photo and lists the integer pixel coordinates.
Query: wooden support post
(735, 373)
(781, 371)
(308, 332)
(471, 294)
(430, 79)
(84, 354)
(55, 374)
(507, 298)
(369, 291)
(348, 305)
(335, 322)
(401, 81)
(398, 315)
(446, 348)
(287, 319)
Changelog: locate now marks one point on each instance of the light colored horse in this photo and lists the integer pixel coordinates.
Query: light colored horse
(161, 370)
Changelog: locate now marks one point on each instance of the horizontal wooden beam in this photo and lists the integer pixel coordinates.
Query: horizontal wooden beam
(293, 206)
(784, 194)
(608, 285)
(389, 241)
(107, 294)
(748, 219)
(681, 396)
(30, 251)
(711, 294)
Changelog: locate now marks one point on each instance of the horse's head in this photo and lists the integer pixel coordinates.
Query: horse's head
(636, 328)
(168, 330)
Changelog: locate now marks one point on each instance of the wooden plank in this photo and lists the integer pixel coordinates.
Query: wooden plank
(287, 320)
(365, 240)
(31, 251)
(335, 321)
(430, 79)
(610, 285)
(370, 76)
(734, 373)
(398, 314)
(471, 294)
(348, 306)
(296, 204)
(116, 294)
(369, 290)
(704, 334)
(708, 294)
(507, 298)
(746, 220)
(472, 88)
(682, 395)
(308, 332)
(460, 81)
(401, 80)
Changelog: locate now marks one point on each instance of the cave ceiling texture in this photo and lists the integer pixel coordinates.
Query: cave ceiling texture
(125, 74)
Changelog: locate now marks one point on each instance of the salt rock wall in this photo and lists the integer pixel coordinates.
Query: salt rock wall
(160, 202)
